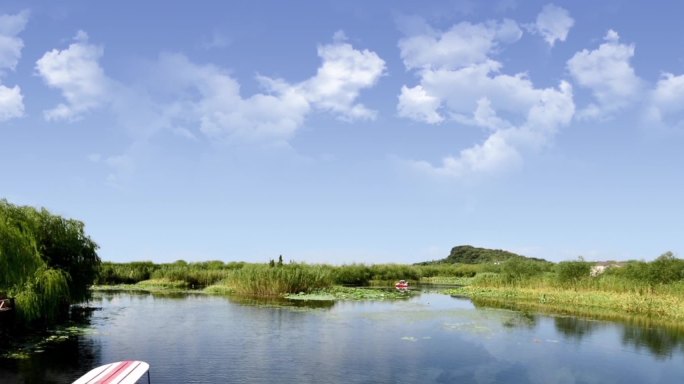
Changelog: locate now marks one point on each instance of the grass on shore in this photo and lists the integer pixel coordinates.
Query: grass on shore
(664, 308)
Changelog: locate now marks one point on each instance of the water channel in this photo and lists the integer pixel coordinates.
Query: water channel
(430, 338)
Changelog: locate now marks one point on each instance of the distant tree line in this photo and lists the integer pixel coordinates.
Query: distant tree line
(47, 262)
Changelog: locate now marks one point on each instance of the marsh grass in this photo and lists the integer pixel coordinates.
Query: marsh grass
(652, 290)
(197, 275)
(264, 280)
(654, 308)
(274, 279)
(446, 280)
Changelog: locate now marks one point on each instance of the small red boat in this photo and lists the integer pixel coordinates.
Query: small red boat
(402, 285)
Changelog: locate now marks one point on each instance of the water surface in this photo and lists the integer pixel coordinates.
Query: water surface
(430, 338)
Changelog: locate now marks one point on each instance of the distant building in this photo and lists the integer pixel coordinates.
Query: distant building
(601, 266)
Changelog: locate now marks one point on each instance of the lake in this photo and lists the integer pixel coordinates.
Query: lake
(430, 338)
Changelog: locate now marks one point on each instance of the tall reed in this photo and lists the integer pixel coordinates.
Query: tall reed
(264, 280)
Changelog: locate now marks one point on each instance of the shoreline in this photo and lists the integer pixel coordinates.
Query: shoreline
(642, 309)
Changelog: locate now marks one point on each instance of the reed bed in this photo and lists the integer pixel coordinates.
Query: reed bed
(195, 275)
(265, 280)
(662, 306)
(199, 275)
(652, 290)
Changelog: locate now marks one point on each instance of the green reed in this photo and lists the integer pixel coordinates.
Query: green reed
(265, 280)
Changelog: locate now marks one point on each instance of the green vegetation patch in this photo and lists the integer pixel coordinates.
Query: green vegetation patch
(658, 308)
(446, 280)
(351, 293)
(46, 263)
(467, 254)
(158, 286)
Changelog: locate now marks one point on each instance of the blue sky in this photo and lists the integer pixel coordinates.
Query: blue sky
(348, 131)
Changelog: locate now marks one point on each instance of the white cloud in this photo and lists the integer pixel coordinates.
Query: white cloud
(494, 155)
(193, 100)
(486, 116)
(76, 72)
(553, 24)
(10, 44)
(11, 99)
(344, 72)
(207, 97)
(203, 100)
(417, 104)
(504, 148)
(188, 95)
(462, 45)
(11, 103)
(608, 73)
(666, 101)
(473, 91)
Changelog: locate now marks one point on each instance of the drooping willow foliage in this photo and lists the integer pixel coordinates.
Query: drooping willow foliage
(44, 295)
(46, 261)
(19, 257)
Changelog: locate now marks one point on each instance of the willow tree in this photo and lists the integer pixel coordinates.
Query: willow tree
(46, 261)
(63, 244)
(19, 257)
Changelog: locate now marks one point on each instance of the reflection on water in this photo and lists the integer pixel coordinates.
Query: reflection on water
(660, 343)
(431, 338)
(576, 328)
(53, 362)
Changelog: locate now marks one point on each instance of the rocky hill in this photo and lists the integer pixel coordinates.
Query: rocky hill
(468, 254)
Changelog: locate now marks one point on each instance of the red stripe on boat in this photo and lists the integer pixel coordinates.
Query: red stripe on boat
(115, 373)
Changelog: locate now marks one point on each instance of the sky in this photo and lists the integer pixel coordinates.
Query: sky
(348, 131)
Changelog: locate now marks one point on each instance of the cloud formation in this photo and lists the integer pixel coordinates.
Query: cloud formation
(666, 102)
(553, 24)
(77, 73)
(11, 99)
(608, 73)
(190, 98)
(343, 73)
(204, 100)
(462, 45)
(208, 97)
(470, 89)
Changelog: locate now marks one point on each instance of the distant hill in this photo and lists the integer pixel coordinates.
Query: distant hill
(467, 254)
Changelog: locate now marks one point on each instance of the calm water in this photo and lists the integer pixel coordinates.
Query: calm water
(429, 339)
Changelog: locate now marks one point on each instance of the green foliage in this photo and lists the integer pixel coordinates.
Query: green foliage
(467, 254)
(449, 270)
(43, 296)
(393, 272)
(519, 269)
(46, 261)
(196, 275)
(125, 273)
(19, 257)
(572, 271)
(666, 269)
(262, 280)
(354, 274)
(63, 245)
